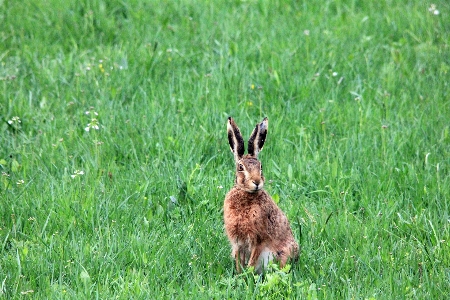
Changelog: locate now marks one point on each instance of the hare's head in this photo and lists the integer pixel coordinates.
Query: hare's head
(249, 176)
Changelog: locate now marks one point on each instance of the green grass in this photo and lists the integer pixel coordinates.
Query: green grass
(358, 151)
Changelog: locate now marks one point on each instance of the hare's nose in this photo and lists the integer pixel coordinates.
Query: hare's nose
(256, 182)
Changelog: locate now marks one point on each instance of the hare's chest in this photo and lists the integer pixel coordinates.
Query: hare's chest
(247, 222)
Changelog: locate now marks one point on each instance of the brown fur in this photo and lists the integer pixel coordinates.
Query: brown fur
(253, 222)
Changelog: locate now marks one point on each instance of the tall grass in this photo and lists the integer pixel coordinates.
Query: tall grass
(357, 153)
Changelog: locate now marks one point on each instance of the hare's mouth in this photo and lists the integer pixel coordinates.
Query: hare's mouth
(256, 186)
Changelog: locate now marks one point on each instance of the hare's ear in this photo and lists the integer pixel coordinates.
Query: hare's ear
(235, 139)
(258, 137)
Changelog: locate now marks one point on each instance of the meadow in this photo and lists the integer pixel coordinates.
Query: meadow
(115, 163)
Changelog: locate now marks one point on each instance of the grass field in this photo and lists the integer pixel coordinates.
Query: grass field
(114, 157)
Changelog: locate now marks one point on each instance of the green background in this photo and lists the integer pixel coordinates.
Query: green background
(357, 154)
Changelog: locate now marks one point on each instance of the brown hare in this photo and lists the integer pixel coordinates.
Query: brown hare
(257, 228)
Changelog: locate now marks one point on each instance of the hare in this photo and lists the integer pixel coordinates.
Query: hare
(256, 227)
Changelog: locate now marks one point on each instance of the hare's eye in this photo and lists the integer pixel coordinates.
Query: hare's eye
(240, 167)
